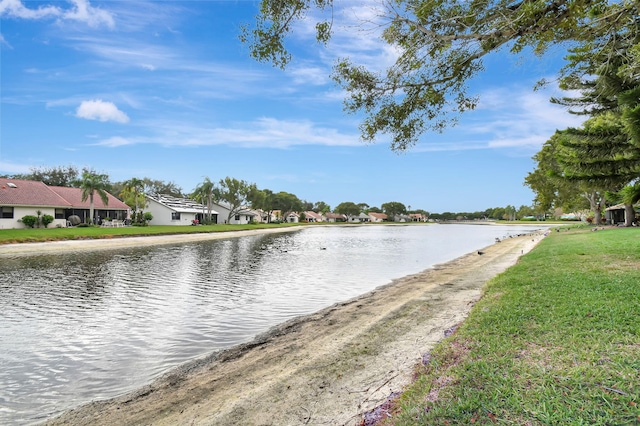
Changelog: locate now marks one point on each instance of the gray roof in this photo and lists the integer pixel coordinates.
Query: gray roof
(182, 205)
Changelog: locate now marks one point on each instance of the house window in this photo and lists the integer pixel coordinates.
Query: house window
(7, 212)
(59, 213)
(237, 217)
(175, 216)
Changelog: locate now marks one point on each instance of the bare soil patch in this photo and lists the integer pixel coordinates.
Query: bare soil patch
(328, 368)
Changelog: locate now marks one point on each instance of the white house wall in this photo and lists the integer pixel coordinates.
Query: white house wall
(19, 212)
(223, 212)
(162, 215)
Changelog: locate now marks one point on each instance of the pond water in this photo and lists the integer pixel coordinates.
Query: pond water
(82, 326)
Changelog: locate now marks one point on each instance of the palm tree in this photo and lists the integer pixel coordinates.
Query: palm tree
(91, 183)
(133, 194)
(204, 192)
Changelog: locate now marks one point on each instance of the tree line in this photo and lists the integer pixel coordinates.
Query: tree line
(237, 195)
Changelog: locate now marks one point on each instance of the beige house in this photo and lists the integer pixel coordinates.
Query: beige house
(312, 216)
(334, 217)
(377, 217)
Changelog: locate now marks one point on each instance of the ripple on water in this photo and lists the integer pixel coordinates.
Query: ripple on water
(81, 326)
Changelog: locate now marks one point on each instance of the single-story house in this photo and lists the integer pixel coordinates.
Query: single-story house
(114, 209)
(362, 217)
(377, 217)
(169, 210)
(418, 217)
(264, 216)
(292, 217)
(242, 217)
(335, 217)
(312, 216)
(19, 198)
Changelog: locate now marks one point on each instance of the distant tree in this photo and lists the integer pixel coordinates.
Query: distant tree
(155, 186)
(321, 207)
(448, 216)
(393, 208)
(307, 206)
(236, 193)
(524, 211)
(348, 208)
(364, 207)
(509, 213)
(53, 176)
(286, 202)
(92, 183)
(497, 213)
(375, 210)
(262, 199)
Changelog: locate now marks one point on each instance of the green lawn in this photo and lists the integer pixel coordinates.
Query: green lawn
(51, 234)
(555, 340)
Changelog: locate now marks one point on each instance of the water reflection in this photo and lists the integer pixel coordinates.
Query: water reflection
(88, 325)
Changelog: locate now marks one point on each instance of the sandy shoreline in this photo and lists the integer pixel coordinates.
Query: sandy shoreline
(125, 241)
(327, 368)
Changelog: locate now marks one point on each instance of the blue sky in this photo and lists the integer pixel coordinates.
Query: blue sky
(165, 89)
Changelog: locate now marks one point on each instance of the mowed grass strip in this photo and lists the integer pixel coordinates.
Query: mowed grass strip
(554, 340)
(8, 236)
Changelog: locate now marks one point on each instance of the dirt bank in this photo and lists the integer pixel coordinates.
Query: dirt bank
(125, 242)
(323, 369)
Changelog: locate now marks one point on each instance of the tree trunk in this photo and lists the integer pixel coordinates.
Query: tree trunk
(91, 208)
(597, 204)
(629, 215)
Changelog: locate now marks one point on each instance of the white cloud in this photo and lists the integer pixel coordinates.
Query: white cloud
(507, 117)
(4, 42)
(15, 9)
(84, 12)
(273, 133)
(261, 133)
(523, 118)
(99, 110)
(315, 76)
(81, 11)
(115, 141)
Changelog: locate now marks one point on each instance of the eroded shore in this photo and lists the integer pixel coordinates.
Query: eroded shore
(125, 241)
(327, 368)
